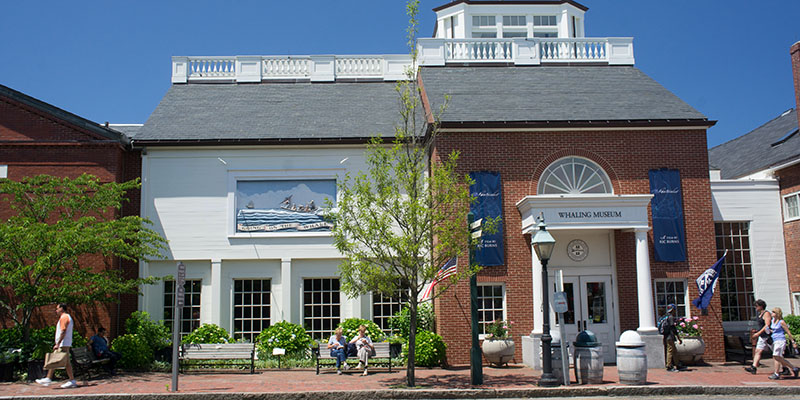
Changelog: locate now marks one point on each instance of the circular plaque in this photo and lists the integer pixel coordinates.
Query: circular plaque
(577, 250)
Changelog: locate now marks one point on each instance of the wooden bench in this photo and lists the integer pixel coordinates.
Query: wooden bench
(736, 347)
(219, 351)
(85, 361)
(383, 356)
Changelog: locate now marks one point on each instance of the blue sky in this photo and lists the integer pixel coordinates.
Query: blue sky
(110, 60)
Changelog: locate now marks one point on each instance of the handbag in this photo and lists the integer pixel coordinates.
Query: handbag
(55, 360)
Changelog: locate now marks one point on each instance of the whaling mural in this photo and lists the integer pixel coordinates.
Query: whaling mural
(283, 205)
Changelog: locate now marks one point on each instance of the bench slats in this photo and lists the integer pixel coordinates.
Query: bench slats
(221, 351)
(382, 351)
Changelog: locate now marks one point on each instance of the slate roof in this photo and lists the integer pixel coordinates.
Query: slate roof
(754, 151)
(266, 112)
(558, 93)
(129, 130)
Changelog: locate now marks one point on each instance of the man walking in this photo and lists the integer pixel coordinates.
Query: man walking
(63, 342)
(670, 332)
(762, 334)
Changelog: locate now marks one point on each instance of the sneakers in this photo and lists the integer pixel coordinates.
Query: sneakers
(774, 376)
(360, 365)
(70, 384)
(751, 369)
(365, 371)
(338, 372)
(672, 369)
(44, 381)
(346, 367)
(786, 372)
(796, 371)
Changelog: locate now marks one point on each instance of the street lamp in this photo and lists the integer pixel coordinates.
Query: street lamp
(543, 244)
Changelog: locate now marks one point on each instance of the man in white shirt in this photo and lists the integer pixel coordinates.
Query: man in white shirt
(63, 342)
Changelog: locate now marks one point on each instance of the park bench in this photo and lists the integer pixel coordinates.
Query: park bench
(736, 347)
(383, 356)
(219, 351)
(85, 361)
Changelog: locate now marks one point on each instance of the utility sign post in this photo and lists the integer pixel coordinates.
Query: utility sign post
(561, 306)
(177, 314)
(475, 360)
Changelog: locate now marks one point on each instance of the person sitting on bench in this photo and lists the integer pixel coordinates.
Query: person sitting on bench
(365, 349)
(99, 345)
(337, 344)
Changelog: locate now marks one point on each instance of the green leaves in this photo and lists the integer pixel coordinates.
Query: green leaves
(63, 242)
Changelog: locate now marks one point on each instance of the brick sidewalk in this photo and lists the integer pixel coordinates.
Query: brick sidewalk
(303, 381)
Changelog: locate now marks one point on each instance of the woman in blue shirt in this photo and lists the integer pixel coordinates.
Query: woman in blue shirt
(779, 333)
(337, 344)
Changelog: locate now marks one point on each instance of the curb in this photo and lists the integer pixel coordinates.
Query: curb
(613, 391)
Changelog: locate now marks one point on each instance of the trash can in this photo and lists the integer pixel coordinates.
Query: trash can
(588, 358)
(555, 346)
(631, 359)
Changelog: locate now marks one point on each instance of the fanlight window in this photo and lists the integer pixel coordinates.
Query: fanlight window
(574, 175)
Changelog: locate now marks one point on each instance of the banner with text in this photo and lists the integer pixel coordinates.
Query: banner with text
(489, 204)
(669, 238)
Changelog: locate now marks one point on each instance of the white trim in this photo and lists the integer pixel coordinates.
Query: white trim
(784, 208)
(632, 208)
(482, 336)
(687, 310)
(3, 171)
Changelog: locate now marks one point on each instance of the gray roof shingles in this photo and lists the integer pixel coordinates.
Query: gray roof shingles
(274, 111)
(568, 93)
(754, 151)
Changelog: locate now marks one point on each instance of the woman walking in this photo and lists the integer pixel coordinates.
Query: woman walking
(779, 333)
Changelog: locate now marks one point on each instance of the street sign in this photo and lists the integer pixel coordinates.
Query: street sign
(180, 290)
(476, 224)
(560, 302)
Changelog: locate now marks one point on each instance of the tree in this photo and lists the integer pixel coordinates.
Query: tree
(397, 224)
(58, 225)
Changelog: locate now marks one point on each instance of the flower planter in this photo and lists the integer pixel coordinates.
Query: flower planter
(691, 350)
(498, 352)
(7, 372)
(35, 370)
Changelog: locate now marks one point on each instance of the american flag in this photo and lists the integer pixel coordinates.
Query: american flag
(448, 269)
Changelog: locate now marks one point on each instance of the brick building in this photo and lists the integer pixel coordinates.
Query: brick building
(755, 185)
(531, 97)
(39, 138)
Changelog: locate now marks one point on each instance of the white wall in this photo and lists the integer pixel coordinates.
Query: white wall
(757, 201)
(187, 194)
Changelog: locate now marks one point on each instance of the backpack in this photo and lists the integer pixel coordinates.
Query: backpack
(663, 326)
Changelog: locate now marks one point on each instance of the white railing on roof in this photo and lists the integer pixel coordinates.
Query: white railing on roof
(243, 69)
(526, 51)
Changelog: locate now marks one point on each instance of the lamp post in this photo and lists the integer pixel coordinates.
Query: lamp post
(476, 368)
(543, 243)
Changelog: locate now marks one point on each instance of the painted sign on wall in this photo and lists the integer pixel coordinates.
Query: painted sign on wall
(283, 205)
(669, 238)
(488, 191)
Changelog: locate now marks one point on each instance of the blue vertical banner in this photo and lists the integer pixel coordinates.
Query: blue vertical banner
(669, 238)
(487, 189)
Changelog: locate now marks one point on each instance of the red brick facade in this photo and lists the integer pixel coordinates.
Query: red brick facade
(794, 51)
(789, 179)
(626, 156)
(34, 141)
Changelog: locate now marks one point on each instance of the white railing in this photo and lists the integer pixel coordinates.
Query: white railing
(479, 50)
(359, 66)
(210, 68)
(264, 68)
(527, 51)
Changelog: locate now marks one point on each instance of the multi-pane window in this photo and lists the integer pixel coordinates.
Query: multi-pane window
(251, 308)
(545, 34)
(670, 291)
(736, 276)
(574, 175)
(384, 307)
(509, 35)
(491, 305)
(321, 306)
(514, 20)
(484, 35)
(790, 206)
(544, 20)
(190, 314)
(483, 20)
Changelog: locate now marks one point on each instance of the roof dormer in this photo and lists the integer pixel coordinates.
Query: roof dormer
(483, 19)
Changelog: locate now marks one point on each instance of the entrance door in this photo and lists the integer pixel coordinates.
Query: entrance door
(590, 307)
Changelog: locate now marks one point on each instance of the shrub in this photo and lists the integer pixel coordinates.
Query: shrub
(40, 343)
(350, 329)
(155, 334)
(284, 335)
(208, 333)
(401, 321)
(430, 350)
(793, 321)
(135, 352)
(689, 327)
(10, 338)
(499, 330)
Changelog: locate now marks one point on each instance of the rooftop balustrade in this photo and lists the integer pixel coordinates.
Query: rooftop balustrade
(432, 52)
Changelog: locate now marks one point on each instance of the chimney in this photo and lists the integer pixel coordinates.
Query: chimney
(795, 53)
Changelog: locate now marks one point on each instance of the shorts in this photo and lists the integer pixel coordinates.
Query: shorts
(777, 348)
(762, 343)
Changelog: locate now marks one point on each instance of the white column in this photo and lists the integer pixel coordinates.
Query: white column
(644, 284)
(216, 292)
(538, 315)
(286, 290)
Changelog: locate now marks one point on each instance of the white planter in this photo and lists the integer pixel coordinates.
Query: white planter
(691, 350)
(498, 352)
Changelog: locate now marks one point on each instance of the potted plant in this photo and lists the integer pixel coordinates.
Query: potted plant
(497, 346)
(691, 350)
(8, 360)
(36, 361)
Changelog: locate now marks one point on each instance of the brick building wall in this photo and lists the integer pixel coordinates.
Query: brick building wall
(34, 142)
(789, 179)
(627, 156)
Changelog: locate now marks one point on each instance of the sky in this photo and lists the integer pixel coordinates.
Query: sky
(110, 60)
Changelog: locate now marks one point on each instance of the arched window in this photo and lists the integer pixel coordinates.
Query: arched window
(574, 175)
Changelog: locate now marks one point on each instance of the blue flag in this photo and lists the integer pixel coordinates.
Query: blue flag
(706, 282)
